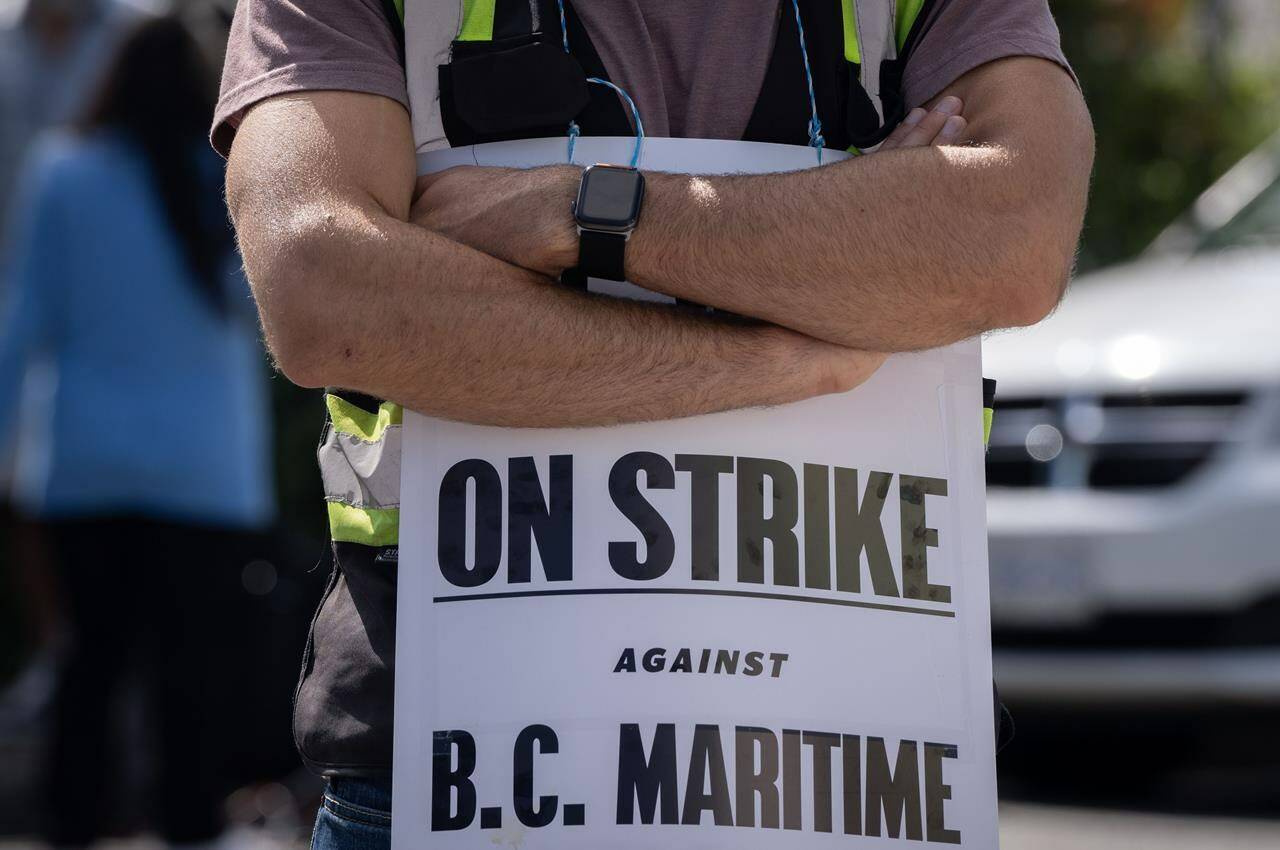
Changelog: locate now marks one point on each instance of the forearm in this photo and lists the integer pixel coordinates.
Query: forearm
(890, 252)
(904, 249)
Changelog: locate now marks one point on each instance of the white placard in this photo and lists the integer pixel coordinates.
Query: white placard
(696, 633)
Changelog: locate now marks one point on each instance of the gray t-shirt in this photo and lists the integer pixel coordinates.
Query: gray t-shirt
(694, 67)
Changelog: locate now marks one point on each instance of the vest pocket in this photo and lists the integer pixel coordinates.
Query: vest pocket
(513, 88)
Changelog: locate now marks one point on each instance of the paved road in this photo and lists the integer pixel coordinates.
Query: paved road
(1023, 826)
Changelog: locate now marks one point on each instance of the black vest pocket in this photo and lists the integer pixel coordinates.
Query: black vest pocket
(511, 89)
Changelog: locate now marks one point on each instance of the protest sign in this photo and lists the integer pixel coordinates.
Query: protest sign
(761, 628)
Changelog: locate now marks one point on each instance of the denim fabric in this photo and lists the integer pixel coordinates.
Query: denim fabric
(355, 815)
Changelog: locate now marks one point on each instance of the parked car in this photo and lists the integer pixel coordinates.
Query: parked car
(1134, 472)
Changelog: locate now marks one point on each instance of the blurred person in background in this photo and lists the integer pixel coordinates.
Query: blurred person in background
(51, 52)
(147, 461)
(51, 57)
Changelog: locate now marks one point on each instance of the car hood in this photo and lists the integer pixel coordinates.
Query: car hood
(1204, 324)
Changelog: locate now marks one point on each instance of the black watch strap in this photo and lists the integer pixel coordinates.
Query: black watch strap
(601, 254)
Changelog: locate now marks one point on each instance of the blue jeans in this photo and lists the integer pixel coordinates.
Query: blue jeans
(354, 815)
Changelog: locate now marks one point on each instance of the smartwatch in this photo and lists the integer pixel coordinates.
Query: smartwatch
(607, 210)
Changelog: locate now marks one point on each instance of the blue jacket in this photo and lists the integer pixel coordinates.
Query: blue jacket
(139, 398)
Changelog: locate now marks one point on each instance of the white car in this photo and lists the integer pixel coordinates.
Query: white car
(1134, 473)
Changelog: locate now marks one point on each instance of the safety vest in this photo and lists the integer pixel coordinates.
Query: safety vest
(494, 70)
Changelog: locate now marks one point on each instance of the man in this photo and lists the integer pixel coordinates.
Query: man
(441, 293)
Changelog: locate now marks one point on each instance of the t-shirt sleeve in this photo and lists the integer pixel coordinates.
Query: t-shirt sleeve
(280, 46)
(964, 34)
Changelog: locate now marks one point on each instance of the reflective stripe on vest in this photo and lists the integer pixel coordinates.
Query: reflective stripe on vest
(360, 466)
(865, 20)
(869, 39)
(477, 20)
(988, 409)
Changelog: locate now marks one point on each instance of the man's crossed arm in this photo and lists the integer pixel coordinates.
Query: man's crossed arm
(909, 248)
(899, 255)
(352, 295)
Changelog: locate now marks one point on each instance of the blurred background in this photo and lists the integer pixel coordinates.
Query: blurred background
(1134, 465)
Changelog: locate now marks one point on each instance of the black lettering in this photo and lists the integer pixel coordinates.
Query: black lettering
(704, 510)
(896, 793)
(935, 792)
(726, 661)
(778, 527)
(530, 520)
(486, 531)
(756, 777)
(817, 526)
(627, 663)
(683, 662)
(791, 779)
(822, 743)
(754, 664)
(654, 661)
(851, 760)
(706, 763)
(660, 543)
(522, 786)
(647, 781)
(445, 777)
(706, 659)
(917, 539)
(777, 658)
(858, 528)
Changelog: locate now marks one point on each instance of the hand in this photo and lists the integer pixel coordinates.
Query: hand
(818, 367)
(522, 216)
(941, 125)
(840, 369)
(832, 368)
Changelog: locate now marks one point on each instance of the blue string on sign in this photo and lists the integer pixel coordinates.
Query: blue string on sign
(635, 116)
(815, 124)
(564, 28)
(575, 131)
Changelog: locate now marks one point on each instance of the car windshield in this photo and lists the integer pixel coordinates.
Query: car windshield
(1257, 225)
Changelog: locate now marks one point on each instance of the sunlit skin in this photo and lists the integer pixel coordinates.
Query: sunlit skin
(438, 293)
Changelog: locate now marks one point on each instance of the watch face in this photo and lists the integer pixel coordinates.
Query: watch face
(610, 197)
